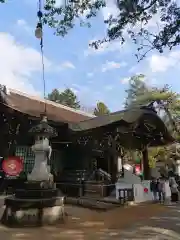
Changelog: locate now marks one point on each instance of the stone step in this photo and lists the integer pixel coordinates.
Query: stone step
(91, 203)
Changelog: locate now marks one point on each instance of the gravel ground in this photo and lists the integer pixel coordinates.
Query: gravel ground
(150, 221)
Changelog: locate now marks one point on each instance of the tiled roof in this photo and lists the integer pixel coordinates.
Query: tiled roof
(34, 106)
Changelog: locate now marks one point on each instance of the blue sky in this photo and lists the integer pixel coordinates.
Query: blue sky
(100, 75)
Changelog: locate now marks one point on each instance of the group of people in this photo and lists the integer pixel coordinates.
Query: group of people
(165, 189)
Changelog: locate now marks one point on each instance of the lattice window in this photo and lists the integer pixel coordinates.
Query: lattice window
(55, 159)
(28, 157)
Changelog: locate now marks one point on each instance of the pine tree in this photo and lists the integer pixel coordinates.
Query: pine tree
(67, 98)
(167, 105)
(136, 89)
(101, 109)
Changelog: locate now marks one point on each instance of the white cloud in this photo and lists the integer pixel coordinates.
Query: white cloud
(125, 80)
(109, 65)
(85, 95)
(18, 64)
(74, 90)
(133, 68)
(108, 87)
(90, 74)
(158, 63)
(21, 23)
(104, 47)
(66, 65)
(59, 3)
(110, 9)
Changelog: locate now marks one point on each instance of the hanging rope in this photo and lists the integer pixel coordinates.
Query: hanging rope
(39, 34)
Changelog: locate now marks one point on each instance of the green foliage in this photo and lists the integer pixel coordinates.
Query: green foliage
(157, 154)
(133, 19)
(138, 93)
(166, 103)
(62, 18)
(137, 88)
(67, 98)
(101, 109)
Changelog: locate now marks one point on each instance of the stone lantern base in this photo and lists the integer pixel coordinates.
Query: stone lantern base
(36, 204)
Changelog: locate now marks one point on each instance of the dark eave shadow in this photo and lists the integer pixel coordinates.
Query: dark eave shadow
(139, 121)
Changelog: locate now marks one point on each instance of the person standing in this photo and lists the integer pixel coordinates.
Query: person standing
(166, 192)
(174, 188)
(161, 189)
(154, 189)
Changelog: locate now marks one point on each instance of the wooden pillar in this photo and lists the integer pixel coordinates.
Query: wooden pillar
(114, 162)
(13, 132)
(108, 164)
(114, 168)
(122, 161)
(4, 136)
(146, 168)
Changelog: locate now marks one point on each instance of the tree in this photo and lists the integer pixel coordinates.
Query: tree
(54, 95)
(101, 109)
(166, 103)
(164, 100)
(133, 18)
(67, 98)
(137, 87)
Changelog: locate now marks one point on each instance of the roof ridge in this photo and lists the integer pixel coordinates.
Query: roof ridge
(37, 98)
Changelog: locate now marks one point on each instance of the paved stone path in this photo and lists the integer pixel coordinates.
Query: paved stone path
(164, 226)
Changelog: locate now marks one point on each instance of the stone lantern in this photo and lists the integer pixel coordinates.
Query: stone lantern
(42, 150)
(38, 201)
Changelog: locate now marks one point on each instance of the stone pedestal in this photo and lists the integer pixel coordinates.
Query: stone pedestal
(34, 206)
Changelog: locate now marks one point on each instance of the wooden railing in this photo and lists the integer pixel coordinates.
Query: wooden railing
(87, 188)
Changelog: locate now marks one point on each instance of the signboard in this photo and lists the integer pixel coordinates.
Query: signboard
(12, 166)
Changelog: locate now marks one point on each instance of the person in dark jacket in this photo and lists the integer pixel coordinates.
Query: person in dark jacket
(154, 189)
(174, 187)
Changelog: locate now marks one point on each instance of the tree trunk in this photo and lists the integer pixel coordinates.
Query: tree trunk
(146, 168)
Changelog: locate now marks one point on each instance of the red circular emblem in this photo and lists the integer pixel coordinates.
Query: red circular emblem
(137, 169)
(12, 166)
(146, 190)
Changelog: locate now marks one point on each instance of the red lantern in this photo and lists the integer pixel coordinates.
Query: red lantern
(12, 166)
(137, 169)
(146, 190)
